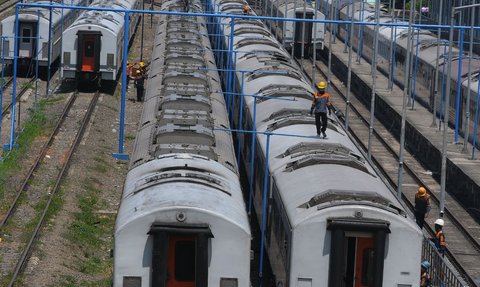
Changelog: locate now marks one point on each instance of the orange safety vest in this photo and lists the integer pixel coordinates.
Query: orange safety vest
(321, 102)
(441, 238)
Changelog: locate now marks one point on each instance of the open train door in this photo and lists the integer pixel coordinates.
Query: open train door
(181, 261)
(364, 251)
(88, 51)
(303, 35)
(357, 252)
(180, 255)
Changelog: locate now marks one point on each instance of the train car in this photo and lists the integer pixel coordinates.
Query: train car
(296, 35)
(182, 219)
(330, 219)
(93, 44)
(424, 46)
(33, 32)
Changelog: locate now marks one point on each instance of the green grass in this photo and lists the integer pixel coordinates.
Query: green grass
(90, 231)
(101, 166)
(33, 127)
(129, 137)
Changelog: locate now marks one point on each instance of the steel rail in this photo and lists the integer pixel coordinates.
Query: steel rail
(76, 142)
(19, 95)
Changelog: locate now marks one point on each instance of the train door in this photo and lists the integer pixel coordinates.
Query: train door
(303, 35)
(359, 261)
(180, 255)
(88, 52)
(357, 253)
(181, 261)
(26, 41)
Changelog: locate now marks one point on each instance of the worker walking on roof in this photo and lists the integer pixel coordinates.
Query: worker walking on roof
(439, 239)
(247, 10)
(320, 104)
(422, 206)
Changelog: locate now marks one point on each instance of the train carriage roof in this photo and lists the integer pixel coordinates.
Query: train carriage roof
(110, 20)
(299, 166)
(32, 13)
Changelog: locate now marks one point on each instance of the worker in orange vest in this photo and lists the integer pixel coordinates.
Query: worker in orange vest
(439, 239)
(247, 10)
(320, 105)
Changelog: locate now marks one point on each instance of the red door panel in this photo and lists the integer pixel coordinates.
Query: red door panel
(181, 261)
(364, 261)
(88, 57)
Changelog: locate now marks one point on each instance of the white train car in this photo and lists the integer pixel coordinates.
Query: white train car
(33, 32)
(330, 219)
(93, 44)
(424, 46)
(297, 35)
(182, 219)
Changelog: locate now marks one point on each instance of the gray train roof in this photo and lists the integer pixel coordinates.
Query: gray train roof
(32, 13)
(184, 100)
(182, 182)
(179, 163)
(299, 164)
(110, 20)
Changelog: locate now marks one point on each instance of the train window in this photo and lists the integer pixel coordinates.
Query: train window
(26, 35)
(89, 48)
(185, 260)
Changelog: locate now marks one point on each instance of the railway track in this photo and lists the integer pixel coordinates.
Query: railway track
(24, 85)
(21, 224)
(462, 231)
(7, 4)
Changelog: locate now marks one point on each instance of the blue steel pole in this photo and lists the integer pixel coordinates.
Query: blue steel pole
(394, 50)
(37, 50)
(234, 86)
(240, 120)
(229, 62)
(348, 27)
(476, 122)
(61, 28)
(360, 35)
(120, 154)
(334, 16)
(415, 69)
(264, 208)
(252, 155)
(327, 8)
(218, 20)
(443, 89)
(14, 88)
(459, 85)
(1, 85)
(49, 60)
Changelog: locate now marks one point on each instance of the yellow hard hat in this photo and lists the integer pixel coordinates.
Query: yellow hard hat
(138, 71)
(142, 64)
(321, 85)
(422, 191)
